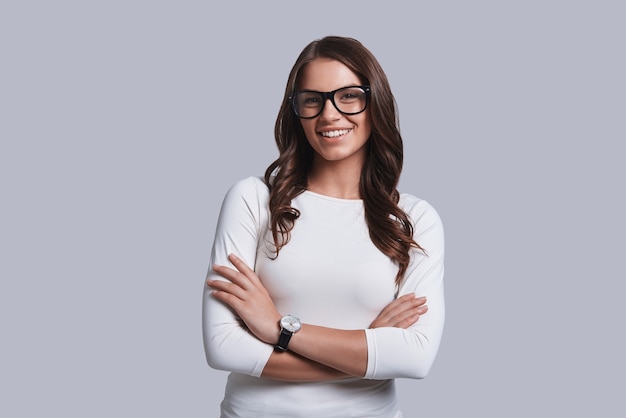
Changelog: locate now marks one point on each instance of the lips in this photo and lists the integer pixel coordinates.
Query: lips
(335, 133)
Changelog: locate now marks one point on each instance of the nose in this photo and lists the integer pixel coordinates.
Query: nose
(330, 112)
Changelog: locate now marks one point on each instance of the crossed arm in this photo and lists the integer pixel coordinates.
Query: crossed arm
(316, 353)
(240, 319)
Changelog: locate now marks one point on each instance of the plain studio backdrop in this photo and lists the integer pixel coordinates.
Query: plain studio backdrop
(123, 123)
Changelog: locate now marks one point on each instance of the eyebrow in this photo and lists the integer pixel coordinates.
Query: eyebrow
(328, 91)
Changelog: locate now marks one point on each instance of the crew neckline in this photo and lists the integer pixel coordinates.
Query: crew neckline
(331, 198)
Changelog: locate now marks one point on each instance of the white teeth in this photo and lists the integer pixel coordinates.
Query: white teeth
(333, 134)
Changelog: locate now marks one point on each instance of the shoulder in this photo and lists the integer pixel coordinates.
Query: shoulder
(249, 195)
(416, 207)
(245, 201)
(249, 188)
(422, 214)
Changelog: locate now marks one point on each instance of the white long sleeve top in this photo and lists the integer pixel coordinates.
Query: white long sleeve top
(329, 274)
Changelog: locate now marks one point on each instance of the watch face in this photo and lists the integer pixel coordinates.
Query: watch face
(290, 323)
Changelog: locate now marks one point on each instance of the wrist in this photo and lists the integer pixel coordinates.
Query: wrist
(289, 325)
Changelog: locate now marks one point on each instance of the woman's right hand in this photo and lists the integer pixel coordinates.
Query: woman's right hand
(401, 313)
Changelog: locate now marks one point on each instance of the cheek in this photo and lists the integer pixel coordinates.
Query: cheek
(365, 127)
(368, 122)
(367, 131)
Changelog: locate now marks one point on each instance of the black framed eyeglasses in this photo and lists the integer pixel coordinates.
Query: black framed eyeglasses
(350, 100)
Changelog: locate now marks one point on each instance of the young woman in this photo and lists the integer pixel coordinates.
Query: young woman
(326, 283)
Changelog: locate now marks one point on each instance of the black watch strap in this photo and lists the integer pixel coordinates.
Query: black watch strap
(283, 340)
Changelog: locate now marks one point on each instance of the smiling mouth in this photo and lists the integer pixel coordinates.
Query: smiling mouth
(336, 133)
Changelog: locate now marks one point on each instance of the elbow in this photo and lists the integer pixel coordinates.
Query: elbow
(413, 367)
(216, 357)
(417, 366)
(219, 360)
(390, 357)
(421, 361)
(420, 370)
(214, 348)
(236, 351)
(213, 358)
(216, 362)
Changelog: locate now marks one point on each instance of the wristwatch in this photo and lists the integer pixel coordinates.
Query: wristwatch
(289, 325)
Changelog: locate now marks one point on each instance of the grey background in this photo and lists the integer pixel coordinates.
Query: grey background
(123, 123)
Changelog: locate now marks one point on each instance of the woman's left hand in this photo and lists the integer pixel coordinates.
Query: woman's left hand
(247, 296)
(402, 312)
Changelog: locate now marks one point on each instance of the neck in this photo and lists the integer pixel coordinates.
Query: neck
(335, 180)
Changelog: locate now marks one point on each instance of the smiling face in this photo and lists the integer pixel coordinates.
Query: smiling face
(335, 137)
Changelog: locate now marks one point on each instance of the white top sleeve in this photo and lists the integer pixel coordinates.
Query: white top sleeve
(395, 352)
(228, 344)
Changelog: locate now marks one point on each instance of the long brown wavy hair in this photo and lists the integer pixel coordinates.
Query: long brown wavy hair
(389, 227)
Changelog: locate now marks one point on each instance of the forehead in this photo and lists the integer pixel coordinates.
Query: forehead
(325, 74)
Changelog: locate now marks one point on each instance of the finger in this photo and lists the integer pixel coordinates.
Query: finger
(228, 298)
(408, 311)
(407, 322)
(392, 306)
(408, 299)
(410, 317)
(227, 287)
(232, 275)
(411, 297)
(243, 268)
(402, 304)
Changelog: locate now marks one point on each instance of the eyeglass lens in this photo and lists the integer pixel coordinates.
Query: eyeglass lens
(348, 100)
